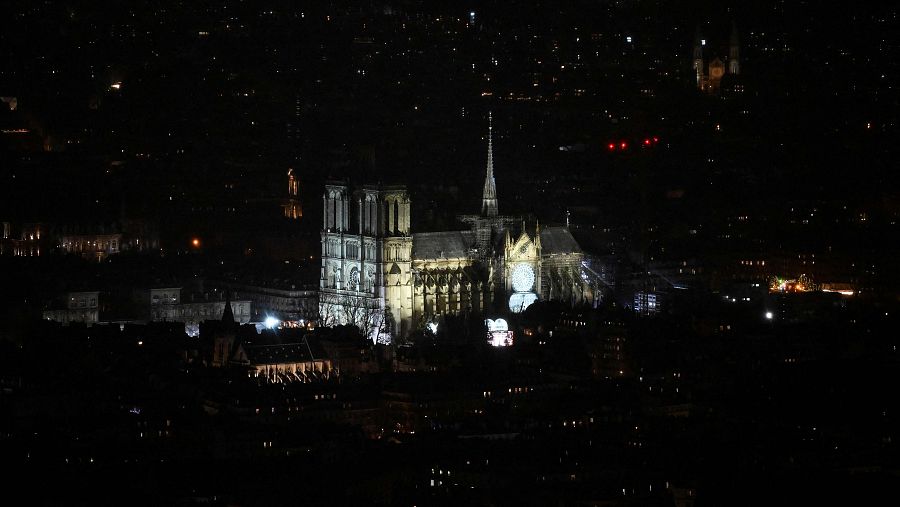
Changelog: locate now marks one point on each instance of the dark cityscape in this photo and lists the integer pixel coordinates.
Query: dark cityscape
(564, 253)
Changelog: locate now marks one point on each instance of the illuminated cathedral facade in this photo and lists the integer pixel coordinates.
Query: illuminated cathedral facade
(380, 276)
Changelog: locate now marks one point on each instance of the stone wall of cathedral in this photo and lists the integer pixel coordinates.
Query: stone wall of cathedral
(562, 279)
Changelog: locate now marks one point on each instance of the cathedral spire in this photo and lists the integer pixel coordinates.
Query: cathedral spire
(489, 195)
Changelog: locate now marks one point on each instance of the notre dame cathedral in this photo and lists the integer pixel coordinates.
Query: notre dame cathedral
(389, 281)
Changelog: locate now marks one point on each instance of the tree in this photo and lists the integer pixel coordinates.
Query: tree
(363, 312)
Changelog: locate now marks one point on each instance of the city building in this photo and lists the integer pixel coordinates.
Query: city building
(99, 242)
(287, 362)
(29, 242)
(79, 307)
(92, 246)
(289, 303)
(165, 304)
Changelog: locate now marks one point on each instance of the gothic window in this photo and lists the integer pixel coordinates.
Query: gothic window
(354, 279)
(335, 214)
(396, 217)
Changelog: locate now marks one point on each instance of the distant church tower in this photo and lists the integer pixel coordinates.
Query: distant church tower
(489, 195)
(734, 65)
(292, 207)
(697, 62)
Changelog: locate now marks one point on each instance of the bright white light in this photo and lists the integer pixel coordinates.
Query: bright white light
(271, 322)
(519, 301)
(432, 326)
(770, 315)
(496, 325)
(500, 338)
(523, 277)
(628, 39)
(702, 42)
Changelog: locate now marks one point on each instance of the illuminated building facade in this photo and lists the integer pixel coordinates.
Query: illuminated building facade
(80, 307)
(289, 362)
(29, 242)
(385, 279)
(93, 246)
(101, 242)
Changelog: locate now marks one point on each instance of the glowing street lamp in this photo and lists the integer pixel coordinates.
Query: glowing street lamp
(271, 322)
(770, 315)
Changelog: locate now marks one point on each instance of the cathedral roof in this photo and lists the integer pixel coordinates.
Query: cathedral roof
(283, 354)
(558, 240)
(442, 245)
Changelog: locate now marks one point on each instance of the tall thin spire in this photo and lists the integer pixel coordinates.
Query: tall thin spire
(734, 51)
(489, 195)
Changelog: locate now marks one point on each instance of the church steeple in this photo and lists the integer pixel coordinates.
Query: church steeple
(734, 51)
(227, 312)
(489, 195)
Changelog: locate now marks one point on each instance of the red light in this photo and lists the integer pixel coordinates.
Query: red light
(612, 146)
(646, 142)
(623, 145)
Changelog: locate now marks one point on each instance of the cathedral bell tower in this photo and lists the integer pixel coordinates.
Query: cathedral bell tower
(366, 262)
